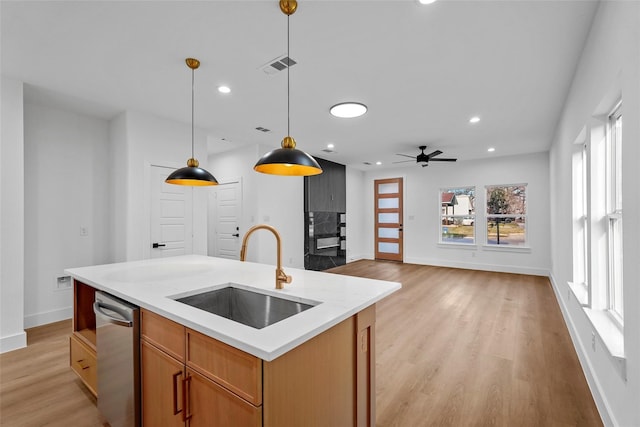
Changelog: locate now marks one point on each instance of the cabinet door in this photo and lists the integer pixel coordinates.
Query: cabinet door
(338, 188)
(210, 405)
(162, 397)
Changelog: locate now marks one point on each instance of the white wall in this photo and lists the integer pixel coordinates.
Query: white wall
(268, 199)
(356, 211)
(140, 140)
(609, 65)
(66, 187)
(422, 209)
(12, 333)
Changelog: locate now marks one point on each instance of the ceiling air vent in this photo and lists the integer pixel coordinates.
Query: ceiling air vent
(278, 64)
(261, 129)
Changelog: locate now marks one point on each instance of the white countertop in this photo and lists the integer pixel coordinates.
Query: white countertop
(151, 284)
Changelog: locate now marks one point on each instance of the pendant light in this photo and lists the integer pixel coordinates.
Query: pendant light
(288, 160)
(191, 174)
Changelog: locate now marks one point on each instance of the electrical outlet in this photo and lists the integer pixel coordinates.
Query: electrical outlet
(593, 341)
(62, 283)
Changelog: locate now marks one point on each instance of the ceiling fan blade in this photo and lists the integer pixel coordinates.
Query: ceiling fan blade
(442, 160)
(405, 155)
(435, 153)
(404, 161)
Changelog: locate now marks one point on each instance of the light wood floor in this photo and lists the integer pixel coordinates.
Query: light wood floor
(454, 348)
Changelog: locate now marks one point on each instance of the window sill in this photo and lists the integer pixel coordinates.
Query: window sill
(580, 292)
(611, 336)
(471, 246)
(507, 248)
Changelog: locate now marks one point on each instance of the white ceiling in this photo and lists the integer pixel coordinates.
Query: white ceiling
(423, 70)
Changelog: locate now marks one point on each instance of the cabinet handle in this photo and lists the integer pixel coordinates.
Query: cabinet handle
(186, 390)
(176, 411)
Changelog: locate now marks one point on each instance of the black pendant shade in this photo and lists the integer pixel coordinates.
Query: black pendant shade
(288, 160)
(192, 174)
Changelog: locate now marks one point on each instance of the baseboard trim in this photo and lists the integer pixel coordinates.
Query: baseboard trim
(13, 342)
(592, 381)
(478, 266)
(40, 319)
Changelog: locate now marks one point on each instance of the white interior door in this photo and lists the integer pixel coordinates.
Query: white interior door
(226, 215)
(171, 216)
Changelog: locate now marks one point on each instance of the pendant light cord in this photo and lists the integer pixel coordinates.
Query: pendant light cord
(192, 117)
(288, 66)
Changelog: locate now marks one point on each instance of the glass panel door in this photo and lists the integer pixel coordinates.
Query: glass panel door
(388, 219)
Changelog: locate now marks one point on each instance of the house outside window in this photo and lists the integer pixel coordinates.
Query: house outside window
(507, 215)
(457, 215)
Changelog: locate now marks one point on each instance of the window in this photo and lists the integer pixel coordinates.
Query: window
(614, 213)
(580, 221)
(507, 215)
(457, 215)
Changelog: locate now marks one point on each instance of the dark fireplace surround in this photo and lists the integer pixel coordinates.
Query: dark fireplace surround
(325, 217)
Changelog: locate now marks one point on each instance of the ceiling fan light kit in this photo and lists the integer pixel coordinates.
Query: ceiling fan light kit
(192, 174)
(288, 160)
(426, 158)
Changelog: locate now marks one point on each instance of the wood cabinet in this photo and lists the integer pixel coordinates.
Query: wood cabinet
(191, 379)
(162, 391)
(82, 342)
(326, 192)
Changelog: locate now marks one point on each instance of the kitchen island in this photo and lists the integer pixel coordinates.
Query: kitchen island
(316, 367)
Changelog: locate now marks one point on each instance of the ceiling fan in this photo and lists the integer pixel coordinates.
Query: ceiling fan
(426, 158)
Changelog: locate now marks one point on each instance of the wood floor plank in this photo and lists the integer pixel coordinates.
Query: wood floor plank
(474, 348)
(453, 348)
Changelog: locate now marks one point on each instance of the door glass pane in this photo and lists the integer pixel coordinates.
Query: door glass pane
(391, 188)
(388, 233)
(390, 248)
(388, 203)
(388, 218)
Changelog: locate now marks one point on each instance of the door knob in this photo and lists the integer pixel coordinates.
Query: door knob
(158, 245)
(236, 235)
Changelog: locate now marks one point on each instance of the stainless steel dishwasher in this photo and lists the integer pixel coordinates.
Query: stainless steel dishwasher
(118, 348)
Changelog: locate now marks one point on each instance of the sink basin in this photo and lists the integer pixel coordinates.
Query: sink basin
(245, 306)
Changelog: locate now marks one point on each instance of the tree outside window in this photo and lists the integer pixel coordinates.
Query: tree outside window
(507, 215)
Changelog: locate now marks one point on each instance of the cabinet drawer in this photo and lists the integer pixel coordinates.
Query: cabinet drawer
(84, 363)
(163, 333)
(234, 369)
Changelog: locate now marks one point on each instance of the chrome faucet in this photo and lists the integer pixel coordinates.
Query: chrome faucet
(281, 277)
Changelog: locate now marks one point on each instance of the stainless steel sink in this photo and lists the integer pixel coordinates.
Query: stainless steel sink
(247, 307)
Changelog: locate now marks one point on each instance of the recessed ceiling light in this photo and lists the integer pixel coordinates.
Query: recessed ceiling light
(348, 110)
(426, 1)
(378, 163)
(491, 149)
(474, 119)
(330, 146)
(224, 89)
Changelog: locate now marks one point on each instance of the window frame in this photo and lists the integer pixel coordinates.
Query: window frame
(473, 216)
(614, 228)
(488, 216)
